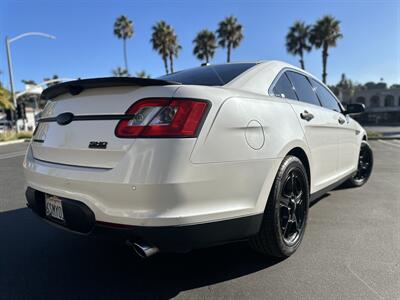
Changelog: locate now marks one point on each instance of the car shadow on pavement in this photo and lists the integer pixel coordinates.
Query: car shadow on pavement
(39, 261)
(315, 201)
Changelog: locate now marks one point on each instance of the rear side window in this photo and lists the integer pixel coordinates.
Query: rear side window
(284, 88)
(326, 98)
(303, 88)
(213, 75)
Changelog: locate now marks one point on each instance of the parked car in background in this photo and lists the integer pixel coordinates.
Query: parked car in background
(196, 158)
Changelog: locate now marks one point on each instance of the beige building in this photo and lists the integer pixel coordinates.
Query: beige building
(382, 105)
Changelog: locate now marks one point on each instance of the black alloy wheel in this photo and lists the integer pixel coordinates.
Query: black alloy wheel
(365, 165)
(292, 210)
(285, 215)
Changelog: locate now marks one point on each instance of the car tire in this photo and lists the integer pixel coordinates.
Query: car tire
(364, 169)
(274, 238)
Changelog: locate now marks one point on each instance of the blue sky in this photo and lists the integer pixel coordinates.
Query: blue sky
(85, 45)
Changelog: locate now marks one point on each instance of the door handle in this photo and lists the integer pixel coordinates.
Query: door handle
(341, 120)
(306, 116)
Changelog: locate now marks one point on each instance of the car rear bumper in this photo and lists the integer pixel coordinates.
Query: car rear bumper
(144, 190)
(80, 219)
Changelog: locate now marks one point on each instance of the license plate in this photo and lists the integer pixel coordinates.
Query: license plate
(54, 207)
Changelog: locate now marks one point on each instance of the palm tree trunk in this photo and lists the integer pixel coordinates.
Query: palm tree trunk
(324, 62)
(165, 63)
(302, 61)
(171, 63)
(228, 58)
(125, 56)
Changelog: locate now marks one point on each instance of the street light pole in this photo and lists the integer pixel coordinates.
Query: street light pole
(10, 73)
(10, 68)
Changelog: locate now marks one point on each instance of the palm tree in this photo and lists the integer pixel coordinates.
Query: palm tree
(123, 29)
(205, 45)
(165, 42)
(159, 39)
(230, 34)
(325, 33)
(28, 81)
(55, 77)
(173, 49)
(142, 74)
(120, 72)
(297, 40)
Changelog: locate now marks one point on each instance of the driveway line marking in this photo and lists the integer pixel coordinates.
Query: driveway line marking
(388, 143)
(12, 154)
(363, 281)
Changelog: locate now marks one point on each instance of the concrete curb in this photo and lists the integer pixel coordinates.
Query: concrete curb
(14, 142)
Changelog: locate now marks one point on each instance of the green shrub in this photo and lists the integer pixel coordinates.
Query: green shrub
(24, 135)
(374, 134)
(11, 135)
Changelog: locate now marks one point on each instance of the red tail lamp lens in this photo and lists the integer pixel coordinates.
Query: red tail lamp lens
(163, 118)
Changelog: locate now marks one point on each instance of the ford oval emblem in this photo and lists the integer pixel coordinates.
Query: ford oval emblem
(65, 118)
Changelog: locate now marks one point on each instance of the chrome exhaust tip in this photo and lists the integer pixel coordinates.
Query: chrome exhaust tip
(143, 250)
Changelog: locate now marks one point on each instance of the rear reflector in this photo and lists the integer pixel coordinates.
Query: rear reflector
(163, 118)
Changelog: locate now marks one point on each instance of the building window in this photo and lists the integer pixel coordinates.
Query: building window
(389, 100)
(374, 101)
(360, 100)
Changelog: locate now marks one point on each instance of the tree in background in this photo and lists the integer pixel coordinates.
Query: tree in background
(142, 74)
(173, 49)
(159, 40)
(230, 34)
(55, 77)
(5, 98)
(165, 42)
(205, 44)
(297, 40)
(123, 29)
(324, 34)
(370, 85)
(28, 81)
(120, 72)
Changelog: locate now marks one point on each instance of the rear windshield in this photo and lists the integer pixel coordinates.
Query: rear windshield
(209, 75)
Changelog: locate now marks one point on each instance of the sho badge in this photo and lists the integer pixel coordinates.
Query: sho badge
(98, 145)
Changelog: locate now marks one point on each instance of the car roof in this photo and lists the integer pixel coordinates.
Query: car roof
(259, 78)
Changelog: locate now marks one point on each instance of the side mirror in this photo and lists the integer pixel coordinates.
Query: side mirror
(355, 108)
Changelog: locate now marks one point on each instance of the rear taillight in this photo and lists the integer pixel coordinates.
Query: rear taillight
(163, 118)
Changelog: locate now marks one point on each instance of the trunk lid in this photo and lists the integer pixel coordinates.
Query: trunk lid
(89, 139)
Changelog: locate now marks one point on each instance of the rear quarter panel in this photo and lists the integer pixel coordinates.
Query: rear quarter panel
(254, 134)
(247, 129)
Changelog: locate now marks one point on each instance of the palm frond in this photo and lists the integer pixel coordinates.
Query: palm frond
(123, 27)
(229, 32)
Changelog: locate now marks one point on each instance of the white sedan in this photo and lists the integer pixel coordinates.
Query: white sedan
(197, 158)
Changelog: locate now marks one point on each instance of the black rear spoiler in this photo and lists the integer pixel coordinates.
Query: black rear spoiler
(75, 87)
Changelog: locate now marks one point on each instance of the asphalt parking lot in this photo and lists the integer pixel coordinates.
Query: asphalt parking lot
(351, 250)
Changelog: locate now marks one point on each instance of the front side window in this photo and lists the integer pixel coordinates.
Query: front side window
(326, 98)
(303, 88)
(283, 88)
